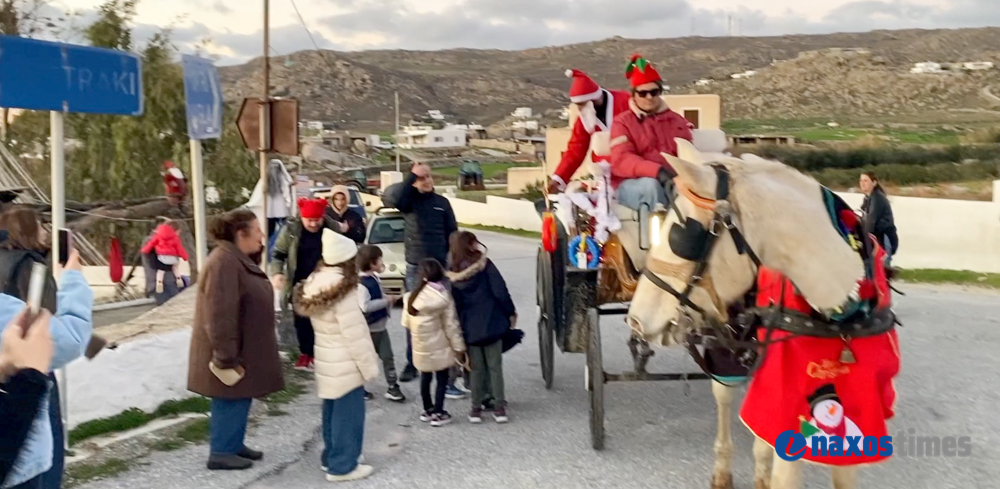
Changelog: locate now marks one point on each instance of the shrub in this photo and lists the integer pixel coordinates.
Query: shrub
(813, 160)
(900, 175)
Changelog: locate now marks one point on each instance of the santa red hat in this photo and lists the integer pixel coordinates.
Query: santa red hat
(311, 208)
(583, 88)
(639, 71)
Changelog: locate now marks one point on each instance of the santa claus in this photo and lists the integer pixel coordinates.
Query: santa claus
(598, 108)
(174, 183)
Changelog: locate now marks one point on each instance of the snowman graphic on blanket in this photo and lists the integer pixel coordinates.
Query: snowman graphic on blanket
(828, 418)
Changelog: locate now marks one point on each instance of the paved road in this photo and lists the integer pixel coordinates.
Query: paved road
(657, 436)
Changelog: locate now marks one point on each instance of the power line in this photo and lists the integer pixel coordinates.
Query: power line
(319, 51)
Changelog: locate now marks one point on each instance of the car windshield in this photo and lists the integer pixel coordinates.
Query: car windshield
(387, 230)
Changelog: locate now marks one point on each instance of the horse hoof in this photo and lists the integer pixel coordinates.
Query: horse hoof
(722, 481)
(761, 484)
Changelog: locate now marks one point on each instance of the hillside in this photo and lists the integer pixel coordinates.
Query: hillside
(485, 85)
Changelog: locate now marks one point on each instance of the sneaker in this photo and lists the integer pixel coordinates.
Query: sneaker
(409, 374)
(476, 415)
(359, 472)
(395, 394)
(452, 393)
(500, 414)
(441, 419)
(460, 385)
(369, 396)
(250, 454)
(426, 417)
(361, 460)
(302, 363)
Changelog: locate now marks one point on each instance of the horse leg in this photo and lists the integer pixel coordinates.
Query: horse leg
(786, 475)
(763, 457)
(845, 477)
(722, 474)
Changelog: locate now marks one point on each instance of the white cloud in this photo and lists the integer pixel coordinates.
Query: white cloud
(235, 26)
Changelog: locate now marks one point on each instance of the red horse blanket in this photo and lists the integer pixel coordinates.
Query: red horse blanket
(823, 387)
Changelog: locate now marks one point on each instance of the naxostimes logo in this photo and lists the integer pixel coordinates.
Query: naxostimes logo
(792, 446)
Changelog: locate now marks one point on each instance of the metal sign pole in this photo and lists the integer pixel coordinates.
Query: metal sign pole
(265, 130)
(57, 139)
(198, 181)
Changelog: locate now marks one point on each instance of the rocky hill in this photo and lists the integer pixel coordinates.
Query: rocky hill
(485, 85)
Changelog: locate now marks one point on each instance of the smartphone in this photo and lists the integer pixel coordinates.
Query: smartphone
(65, 245)
(36, 286)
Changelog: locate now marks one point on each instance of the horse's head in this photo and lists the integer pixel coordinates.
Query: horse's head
(781, 215)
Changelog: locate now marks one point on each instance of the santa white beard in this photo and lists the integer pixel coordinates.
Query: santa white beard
(588, 116)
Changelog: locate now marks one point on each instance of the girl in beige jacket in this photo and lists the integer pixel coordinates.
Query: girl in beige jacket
(430, 316)
(345, 356)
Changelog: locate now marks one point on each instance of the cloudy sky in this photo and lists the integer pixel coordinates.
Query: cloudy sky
(235, 29)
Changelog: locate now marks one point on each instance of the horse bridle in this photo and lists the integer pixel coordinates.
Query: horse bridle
(694, 243)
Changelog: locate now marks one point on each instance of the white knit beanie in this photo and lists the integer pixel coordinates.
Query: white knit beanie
(337, 248)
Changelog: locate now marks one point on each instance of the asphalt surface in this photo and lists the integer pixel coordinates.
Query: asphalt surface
(657, 435)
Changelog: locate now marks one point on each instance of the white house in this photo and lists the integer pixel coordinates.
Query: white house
(529, 125)
(745, 74)
(564, 114)
(978, 65)
(704, 82)
(926, 67)
(412, 137)
(314, 125)
(435, 115)
(522, 113)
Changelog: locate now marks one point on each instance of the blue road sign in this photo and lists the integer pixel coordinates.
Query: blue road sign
(42, 75)
(204, 98)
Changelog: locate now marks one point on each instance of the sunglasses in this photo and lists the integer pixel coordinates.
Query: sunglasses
(656, 92)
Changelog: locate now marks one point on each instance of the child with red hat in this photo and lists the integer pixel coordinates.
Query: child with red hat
(640, 136)
(297, 251)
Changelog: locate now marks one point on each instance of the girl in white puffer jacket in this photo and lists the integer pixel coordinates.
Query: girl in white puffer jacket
(429, 314)
(345, 356)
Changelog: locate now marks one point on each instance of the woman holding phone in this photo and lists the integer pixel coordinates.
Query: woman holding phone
(24, 243)
(234, 349)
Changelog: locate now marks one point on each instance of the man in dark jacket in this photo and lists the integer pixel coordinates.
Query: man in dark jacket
(430, 221)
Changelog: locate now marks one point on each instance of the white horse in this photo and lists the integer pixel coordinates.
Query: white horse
(786, 223)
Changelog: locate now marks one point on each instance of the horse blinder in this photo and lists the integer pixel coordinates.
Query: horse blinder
(689, 241)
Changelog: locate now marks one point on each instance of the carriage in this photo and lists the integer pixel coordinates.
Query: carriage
(571, 299)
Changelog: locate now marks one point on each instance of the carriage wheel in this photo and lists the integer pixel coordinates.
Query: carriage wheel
(543, 288)
(595, 379)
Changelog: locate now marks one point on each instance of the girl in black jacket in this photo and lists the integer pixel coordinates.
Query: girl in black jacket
(877, 213)
(485, 311)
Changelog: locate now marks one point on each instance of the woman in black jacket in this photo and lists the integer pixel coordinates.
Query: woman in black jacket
(877, 213)
(485, 311)
(349, 223)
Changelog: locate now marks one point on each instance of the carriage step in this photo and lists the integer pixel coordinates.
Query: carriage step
(612, 311)
(646, 376)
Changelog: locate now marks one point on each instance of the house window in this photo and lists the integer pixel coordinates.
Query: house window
(438, 139)
(693, 116)
(456, 139)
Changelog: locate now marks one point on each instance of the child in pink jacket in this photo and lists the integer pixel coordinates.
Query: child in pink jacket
(169, 250)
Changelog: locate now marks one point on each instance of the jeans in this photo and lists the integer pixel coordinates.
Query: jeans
(383, 346)
(53, 478)
(487, 373)
(228, 426)
(343, 431)
(437, 406)
(305, 334)
(635, 192)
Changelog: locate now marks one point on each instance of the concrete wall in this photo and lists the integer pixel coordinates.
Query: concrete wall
(933, 233)
(518, 178)
(508, 146)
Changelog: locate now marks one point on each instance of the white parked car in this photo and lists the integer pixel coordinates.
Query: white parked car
(387, 230)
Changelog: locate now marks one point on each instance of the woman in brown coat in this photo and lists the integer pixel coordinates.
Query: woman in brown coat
(234, 350)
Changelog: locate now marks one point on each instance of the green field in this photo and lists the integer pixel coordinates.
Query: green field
(815, 130)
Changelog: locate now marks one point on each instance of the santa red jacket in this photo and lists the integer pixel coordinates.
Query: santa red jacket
(579, 141)
(166, 242)
(638, 140)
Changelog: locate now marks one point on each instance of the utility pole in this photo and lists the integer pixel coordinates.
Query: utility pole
(265, 127)
(395, 137)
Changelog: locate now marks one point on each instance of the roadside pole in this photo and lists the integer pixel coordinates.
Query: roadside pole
(198, 181)
(57, 139)
(265, 131)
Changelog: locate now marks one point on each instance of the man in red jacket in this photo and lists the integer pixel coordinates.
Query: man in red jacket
(598, 108)
(640, 135)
